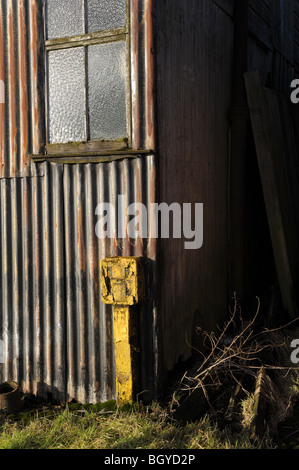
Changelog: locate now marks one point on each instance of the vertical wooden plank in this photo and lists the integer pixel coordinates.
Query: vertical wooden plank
(265, 148)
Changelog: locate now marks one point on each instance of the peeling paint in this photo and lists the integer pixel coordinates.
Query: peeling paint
(122, 282)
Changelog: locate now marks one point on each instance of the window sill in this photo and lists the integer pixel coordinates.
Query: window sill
(100, 157)
(87, 148)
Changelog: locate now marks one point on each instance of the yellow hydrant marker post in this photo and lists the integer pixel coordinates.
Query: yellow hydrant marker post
(122, 285)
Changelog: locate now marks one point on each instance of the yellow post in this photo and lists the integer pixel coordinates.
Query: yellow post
(122, 285)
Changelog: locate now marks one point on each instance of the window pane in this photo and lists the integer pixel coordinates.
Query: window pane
(64, 18)
(66, 95)
(105, 14)
(107, 90)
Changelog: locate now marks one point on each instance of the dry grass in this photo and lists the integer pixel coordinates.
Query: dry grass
(242, 364)
(227, 375)
(139, 428)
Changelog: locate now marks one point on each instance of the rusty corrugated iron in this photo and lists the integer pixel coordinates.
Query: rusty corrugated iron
(32, 294)
(22, 116)
(89, 322)
(56, 331)
(57, 334)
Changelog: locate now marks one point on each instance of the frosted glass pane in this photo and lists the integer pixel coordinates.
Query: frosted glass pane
(66, 95)
(64, 18)
(107, 91)
(105, 14)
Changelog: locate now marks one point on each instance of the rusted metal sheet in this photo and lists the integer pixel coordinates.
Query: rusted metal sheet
(56, 331)
(21, 117)
(32, 294)
(90, 366)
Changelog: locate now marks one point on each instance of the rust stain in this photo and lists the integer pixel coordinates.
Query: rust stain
(2, 105)
(23, 84)
(25, 218)
(37, 298)
(19, 52)
(149, 76)
(80, 225)
(12, 81)
(135, 74)
(139, 241)
(142, 55)
(34, 52)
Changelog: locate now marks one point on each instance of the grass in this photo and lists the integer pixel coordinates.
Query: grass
(234, 418)
(139, 427)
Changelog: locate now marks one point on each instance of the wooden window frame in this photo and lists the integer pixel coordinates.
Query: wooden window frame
(139, 36)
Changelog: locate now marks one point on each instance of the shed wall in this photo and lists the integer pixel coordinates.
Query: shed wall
(194, 52)
(194, 62)
(57, 333)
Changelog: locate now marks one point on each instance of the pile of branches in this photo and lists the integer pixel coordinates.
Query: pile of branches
(242, 360)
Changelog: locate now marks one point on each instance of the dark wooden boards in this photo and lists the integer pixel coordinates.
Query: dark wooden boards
(277, 156)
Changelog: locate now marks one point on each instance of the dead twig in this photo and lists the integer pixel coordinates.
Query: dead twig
(238, 354)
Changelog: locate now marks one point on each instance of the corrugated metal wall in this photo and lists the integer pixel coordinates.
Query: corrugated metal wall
(57, 333)
(32, 281)
(89, 328)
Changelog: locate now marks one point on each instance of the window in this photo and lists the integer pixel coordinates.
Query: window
(88, 76)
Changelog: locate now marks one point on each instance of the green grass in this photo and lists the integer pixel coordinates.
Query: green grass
(136, 428)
